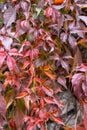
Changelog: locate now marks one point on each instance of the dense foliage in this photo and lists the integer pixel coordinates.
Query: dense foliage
(42, 55)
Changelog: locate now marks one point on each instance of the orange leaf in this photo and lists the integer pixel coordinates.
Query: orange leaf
(46, 67)
(50, 75)
(82, 41)
(58, 2)
(22, 94)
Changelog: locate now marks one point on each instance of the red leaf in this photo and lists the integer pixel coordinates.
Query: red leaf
(49, 12)
(12, 64)
(42, 102)
(82, 67)
(49, 100)
(14, 52)
(2, 106)
(47, 90)
(22, 94)
(25, 25)
(57, 120)
(31, 70)
(61, 80)
(26, 63)
(85, 116)
(79, 128)
(77, 83)
(2, 57)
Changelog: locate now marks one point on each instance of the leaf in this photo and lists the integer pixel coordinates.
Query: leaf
(82, 41)
(58, 2)
(14, 52)
(9, 16)
(49, 12)
(22, 94)
(2, 57)
(25, 25)
(72, 42)
(79, 128)
(48, 100)
(63, 37)
(82, 5)
(31, 70)
(77, 59)
(58, 120)
(6, 42)
(83, 18)
(61, 80)
(65, 65)
(11, 63)
(82, 67)
(50, 75)
(19, 119)
(2, 107)
(47, 90)
(25, 65)
(77, 83)
(85, 115)
(9, 97)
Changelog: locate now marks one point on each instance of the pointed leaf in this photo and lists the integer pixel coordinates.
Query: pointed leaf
(11, 64)
(9, 16)
(2, 57)
(6, 42)
(84, 19)
(58, 120)
(22, 94)
(49, 12)
(50, 75)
